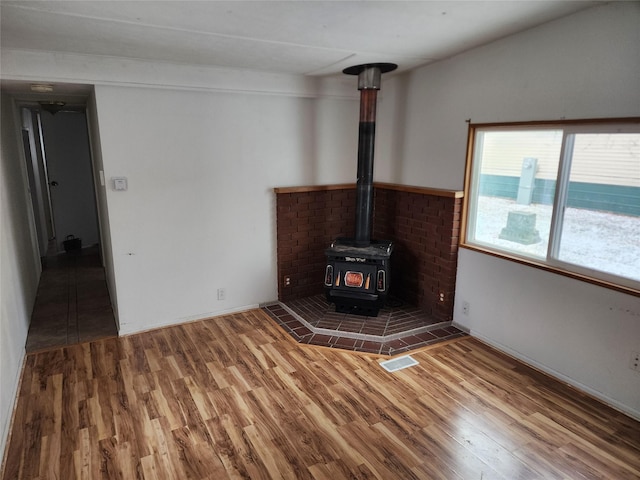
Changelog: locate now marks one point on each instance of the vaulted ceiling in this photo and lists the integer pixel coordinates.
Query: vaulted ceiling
(294, 37)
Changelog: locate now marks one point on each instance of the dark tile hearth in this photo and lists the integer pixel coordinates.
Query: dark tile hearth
(397, 329)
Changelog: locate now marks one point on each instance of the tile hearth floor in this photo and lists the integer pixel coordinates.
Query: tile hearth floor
(397, 328)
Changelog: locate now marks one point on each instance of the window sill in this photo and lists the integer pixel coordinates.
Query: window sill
(549, 268)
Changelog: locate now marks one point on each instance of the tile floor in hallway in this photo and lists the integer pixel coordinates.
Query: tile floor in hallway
(397, 329)
(72, 304)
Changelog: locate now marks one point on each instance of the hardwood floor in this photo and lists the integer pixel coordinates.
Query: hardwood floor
(235, 397)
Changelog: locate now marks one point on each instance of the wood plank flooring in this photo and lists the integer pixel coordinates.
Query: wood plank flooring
(235, 397)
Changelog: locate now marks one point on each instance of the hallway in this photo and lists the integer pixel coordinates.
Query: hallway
(72, 304)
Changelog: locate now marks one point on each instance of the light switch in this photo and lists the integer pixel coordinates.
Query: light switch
(119, 183)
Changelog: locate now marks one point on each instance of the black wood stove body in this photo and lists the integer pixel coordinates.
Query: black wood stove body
(357, 272)
(357, 278)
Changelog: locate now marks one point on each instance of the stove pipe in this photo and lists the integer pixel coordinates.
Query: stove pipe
(368, 84)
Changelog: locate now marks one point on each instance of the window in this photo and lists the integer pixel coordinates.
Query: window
(564, 196)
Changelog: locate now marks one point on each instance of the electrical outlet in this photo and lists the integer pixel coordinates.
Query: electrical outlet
(222, 294)
(465, 308)
(287, 281)
(442, 296)
(634, 364)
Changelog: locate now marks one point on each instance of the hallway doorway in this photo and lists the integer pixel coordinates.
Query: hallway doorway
(72, 303)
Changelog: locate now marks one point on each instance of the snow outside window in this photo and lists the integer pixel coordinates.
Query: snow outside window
(564, 196)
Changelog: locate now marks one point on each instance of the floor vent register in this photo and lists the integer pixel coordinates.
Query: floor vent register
(399, 363)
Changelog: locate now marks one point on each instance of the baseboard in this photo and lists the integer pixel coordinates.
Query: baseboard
(635, 414)
(7, 428)
(193, 318)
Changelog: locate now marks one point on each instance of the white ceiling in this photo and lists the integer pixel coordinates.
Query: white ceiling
(293, 37)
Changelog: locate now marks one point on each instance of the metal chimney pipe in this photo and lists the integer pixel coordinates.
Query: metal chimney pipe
(369, 76)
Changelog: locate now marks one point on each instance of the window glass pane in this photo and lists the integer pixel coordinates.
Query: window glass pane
(513, 189)
(601, 227)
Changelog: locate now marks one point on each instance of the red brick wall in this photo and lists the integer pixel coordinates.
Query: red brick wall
(424, 228)
(307, 223)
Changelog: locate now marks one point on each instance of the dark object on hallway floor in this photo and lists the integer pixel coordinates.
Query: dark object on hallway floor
(72, 244)
(397, 328)
(72, 304)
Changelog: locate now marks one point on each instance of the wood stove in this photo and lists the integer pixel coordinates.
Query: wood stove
(357, 272)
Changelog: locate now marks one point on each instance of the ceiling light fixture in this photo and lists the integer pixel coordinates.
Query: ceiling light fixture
(42, 88)
(52, 107)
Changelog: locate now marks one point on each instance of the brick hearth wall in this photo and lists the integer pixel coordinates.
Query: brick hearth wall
(424, 225)
(307, 223)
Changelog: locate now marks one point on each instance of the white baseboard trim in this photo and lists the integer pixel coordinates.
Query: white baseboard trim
(192, 318)
(635, 414)
(7, 421)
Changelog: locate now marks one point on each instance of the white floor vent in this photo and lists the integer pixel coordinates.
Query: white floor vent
(399, 363)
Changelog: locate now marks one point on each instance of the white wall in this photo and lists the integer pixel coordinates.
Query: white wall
(576, 331)
(199, 213)
(35, 169)
(93, 128)
(19, 263)
(202, 149)
(583, 66)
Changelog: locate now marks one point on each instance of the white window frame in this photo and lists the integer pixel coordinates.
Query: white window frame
(551, 262)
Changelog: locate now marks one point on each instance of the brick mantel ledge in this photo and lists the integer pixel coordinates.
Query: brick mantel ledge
(388, 186)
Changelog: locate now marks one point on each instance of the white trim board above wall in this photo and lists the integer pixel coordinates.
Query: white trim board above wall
(33, 66)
